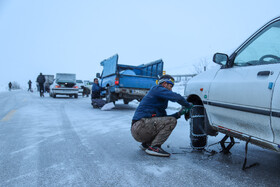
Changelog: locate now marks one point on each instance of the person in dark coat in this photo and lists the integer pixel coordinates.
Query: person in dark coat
(86, 91)
(41, 80)
(10, 86)
(97, 102)
(150, 124)
(29, 85)
(96, 89)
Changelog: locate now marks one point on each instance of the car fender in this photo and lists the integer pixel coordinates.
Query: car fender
(199, 85)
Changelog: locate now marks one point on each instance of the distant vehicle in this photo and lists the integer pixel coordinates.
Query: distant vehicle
(80, 85)
(65, 84)
(48, 82)
(128, 82)
(241, 98)
(88, 84)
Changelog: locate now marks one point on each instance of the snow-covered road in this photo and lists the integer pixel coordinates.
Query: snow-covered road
(65, 142)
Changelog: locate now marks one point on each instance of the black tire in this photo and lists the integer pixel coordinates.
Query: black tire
(197, 132)
(54, 96)
(76, 96)
(125, 101)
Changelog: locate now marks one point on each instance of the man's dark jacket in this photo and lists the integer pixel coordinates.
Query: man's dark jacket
(41, 79)
(96, 89)
(156, 101)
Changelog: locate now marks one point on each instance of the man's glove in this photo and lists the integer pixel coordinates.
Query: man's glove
(191, 106)
(183, 110)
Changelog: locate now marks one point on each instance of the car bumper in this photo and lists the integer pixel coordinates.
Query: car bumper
(65, 91)
(132, 91)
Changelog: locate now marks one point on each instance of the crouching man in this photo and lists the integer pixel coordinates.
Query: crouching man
(150, 124)
(97, 102)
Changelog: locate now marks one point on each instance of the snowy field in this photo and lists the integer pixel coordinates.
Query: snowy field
(65, 142)
(3, 88)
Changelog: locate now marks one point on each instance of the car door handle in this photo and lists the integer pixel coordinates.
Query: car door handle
(263, 73)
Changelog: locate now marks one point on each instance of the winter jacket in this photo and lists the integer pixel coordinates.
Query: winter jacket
(41, 79)
(156, 101)
(96, 89)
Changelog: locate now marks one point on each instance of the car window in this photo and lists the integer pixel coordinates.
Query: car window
(79, 81)
(264, 48)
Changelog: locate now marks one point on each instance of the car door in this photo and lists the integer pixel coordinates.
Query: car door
(275, 114)
(240, 95)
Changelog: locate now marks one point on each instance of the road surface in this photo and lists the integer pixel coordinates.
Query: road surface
(65, 142)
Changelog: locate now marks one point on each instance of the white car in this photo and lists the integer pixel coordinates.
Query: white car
(80, 85)
(242, 97)
(64, 84)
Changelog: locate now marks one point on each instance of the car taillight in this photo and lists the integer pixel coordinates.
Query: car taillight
(75, 87)
(117, 81)
(57, 86)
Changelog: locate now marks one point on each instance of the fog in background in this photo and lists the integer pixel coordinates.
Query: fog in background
(67, 36)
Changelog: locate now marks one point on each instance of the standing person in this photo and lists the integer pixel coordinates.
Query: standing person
(29, 85)
(150, 124)
(41, 80)
(10, 86)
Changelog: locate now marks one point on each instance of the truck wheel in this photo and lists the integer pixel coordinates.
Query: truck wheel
(197, 132)
(76, 96)
(54, 96)
(125, 101)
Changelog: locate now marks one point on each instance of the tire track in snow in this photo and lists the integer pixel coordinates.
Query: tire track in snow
(78, 153)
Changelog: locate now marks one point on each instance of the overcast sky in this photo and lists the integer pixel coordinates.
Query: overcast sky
(52, 36)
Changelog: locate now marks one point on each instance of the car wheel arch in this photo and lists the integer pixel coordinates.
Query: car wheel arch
(195, 99)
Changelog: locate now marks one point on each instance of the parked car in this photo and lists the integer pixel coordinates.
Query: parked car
(128, 82)
(88, 84)
(80, 85)
(65, 84)
(241, 97)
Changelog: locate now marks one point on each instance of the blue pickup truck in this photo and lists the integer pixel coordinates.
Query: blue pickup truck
(128, 82)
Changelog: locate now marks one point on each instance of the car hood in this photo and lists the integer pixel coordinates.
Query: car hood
(205, 76)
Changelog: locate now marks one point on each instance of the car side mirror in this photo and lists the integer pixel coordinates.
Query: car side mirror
(220, 58)
(98, 75)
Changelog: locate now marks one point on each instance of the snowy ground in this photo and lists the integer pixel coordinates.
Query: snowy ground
(3, 88)
(65, 142)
